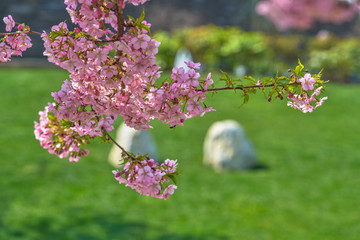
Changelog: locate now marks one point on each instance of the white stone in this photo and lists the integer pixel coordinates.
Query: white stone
(240, 70)
(182, 55)
(226, 147)
(134, 141)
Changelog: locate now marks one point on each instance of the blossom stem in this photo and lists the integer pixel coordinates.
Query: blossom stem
(119, 146)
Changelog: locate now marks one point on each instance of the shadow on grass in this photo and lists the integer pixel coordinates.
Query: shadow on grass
(105, 227)
(192, 237)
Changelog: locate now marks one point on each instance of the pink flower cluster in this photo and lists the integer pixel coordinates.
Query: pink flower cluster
(13, 43)
(183, 90)
(303, 101)
(70, 105)
(55, 136)
(112, 75)
(148, 177)
(302, 14)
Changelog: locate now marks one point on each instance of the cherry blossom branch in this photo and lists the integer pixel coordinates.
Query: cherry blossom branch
(247, 87)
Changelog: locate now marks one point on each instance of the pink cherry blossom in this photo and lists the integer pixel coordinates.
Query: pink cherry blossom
(193, 65)
(10, 23)
(320, 102)
(137, 2)
(169, 190)
(5, 52)
(307, 82)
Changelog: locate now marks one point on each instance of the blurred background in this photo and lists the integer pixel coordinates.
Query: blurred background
(308, 190)
(228, 36)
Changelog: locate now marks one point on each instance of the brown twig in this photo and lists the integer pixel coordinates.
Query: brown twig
(120, 20)
(119, 146)
(14, 33)
(247, 87)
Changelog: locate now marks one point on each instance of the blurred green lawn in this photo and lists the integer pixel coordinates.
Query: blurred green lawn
(310, 190)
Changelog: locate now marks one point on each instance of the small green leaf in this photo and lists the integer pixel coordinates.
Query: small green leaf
(172, 177)
(299, 68)
(267, 80)
(239, 86)
(283, 79)
(132, 18)
(225, 74)
(251, 91)
(246, 99)
(228, 79)
(142, 16)
(264, 93)
(318, 76)
(54, 34)
(250, 78)
(147, 28)
(271, 92)
(51, 116)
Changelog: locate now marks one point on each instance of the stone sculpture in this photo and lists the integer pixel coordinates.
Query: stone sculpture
(227, 147)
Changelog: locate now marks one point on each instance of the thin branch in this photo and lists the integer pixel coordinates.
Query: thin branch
(104, 41)
(246, 87)
(33, 32)
(14, 33)
(120, 28)
(119, 146)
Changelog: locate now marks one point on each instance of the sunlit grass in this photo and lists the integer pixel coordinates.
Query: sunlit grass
(310, 189)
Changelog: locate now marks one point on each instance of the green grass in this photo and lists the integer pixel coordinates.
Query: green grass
(310, 190)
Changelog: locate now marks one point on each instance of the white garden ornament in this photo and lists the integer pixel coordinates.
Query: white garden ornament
(227, 147)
